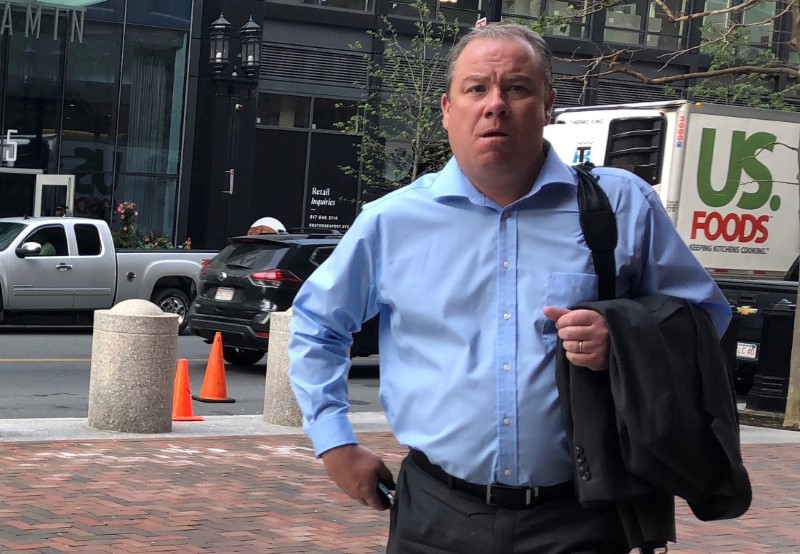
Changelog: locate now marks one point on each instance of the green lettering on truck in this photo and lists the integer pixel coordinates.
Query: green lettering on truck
(744, 150)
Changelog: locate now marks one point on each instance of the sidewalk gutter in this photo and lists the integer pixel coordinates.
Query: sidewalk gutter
(54, 429)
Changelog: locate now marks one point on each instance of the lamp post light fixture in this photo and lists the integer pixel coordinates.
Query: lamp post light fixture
(250, 37)
(220, 39)
(235, 83)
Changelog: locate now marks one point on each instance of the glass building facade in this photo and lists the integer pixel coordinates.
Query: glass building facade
(120, 95)
(97, 93)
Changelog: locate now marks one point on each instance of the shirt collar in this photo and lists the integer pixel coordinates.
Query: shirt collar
(452, 183)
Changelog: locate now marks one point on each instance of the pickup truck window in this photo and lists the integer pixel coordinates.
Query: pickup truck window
(88, 238)
(8, 232)
(53, 240)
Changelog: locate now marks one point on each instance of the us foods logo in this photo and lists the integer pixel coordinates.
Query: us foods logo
(735, 227)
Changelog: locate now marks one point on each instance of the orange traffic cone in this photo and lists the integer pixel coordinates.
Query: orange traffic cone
(214, 388)
(181, 397)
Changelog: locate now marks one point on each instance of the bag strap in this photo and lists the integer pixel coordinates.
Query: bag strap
(599, 226)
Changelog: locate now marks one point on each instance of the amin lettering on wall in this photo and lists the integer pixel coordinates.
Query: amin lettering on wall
(65, 19)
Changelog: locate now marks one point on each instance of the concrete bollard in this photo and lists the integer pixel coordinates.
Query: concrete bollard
(134, 356)
(280, 404)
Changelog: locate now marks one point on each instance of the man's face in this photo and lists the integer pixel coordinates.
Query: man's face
(496, 108)
(60, 212)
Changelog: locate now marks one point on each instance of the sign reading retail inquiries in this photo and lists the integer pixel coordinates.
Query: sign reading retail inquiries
(66, 19)
(330, 208)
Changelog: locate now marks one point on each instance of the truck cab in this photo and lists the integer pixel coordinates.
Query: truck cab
(69, 265)
(726, 175)
(59, 270)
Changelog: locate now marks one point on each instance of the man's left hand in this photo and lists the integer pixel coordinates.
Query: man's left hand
(584, 335)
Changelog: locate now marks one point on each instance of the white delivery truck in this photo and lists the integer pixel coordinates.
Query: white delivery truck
(727, 175)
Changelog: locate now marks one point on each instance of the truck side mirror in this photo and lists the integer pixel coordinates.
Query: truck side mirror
(28, 249)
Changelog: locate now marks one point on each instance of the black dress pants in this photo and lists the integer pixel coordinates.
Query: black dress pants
(431, 518)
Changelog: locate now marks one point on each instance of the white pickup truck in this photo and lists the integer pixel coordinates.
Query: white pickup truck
(58, 270)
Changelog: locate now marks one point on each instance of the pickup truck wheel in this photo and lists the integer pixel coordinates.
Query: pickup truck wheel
(241, 356)
(173, 301)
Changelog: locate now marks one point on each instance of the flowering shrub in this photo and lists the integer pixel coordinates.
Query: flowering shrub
(156, 240)
(125, 235)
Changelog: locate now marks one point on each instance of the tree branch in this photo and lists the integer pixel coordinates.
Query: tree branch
(740, 70)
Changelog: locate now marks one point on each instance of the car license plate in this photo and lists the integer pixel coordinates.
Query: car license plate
(746, 351)
(224, 293)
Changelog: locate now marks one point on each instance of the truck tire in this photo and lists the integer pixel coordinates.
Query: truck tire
(173, 301)
(241, 356)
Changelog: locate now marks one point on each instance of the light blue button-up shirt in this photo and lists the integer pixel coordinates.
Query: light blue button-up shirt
(467, 357)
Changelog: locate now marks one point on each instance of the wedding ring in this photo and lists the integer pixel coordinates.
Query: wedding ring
(580, 347)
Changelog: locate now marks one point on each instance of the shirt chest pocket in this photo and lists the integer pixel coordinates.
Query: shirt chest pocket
(564, 290)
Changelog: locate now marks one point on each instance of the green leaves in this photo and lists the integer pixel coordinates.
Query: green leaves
(399, 120)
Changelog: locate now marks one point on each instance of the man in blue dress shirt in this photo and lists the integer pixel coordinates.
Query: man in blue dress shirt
(472, 271)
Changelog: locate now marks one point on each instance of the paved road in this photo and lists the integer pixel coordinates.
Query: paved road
(47, 375)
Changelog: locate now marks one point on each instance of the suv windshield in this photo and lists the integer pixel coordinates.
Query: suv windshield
(8, 232)
(250, 255)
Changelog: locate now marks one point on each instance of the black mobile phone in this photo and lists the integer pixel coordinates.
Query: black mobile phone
(386, 494)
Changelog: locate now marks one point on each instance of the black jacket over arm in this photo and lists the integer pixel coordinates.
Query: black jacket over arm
(661, 422)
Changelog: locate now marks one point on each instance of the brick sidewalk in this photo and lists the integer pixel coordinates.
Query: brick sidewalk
(269, 494)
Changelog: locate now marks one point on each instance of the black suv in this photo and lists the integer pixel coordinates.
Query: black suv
(251, 278)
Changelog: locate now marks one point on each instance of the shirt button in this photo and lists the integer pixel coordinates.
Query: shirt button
(506, 315)
(506, 367)
(506, 215)
(507, 472)
(506, 263)
(506, 421)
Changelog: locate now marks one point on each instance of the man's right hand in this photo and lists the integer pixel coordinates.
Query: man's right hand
(356, 470)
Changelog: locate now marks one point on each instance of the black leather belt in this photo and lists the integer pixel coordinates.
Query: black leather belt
(502, 496)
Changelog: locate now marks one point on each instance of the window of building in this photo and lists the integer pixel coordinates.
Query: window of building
(33, 86)
(760, 23)
(283, 110)
(355, 5)
(464, 11)
(151, 100)
(624, 22)
(90, 116)
(794, 37)
(642, 22)
(575, 10)
(328, 112)
(718, 20)
(155, 198)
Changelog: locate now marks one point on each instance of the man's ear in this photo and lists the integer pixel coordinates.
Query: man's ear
(549, 103)
(445, 110)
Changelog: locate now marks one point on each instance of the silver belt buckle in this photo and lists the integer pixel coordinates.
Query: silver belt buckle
(530, 494)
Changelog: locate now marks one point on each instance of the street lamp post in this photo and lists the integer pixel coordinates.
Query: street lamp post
(237, 90)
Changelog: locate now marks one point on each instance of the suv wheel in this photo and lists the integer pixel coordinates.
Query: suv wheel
(241, 356)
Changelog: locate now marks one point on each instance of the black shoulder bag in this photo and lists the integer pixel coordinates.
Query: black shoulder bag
(599, 226)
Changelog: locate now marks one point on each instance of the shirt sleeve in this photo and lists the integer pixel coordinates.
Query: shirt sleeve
(331, 306)
(670, 267)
